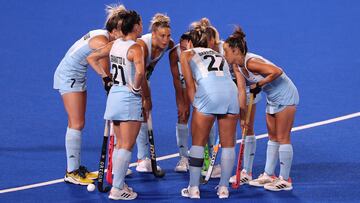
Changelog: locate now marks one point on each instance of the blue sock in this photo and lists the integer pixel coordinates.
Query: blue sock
(211, 141)
(249, 152)
(142, 142)
(195, 164)
(73, 149)
(286, 156)
(121, 159)
(227, 165)
(272, 155)
(182, 132)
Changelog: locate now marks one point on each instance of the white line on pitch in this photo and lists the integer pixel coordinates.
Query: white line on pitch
(311, 125)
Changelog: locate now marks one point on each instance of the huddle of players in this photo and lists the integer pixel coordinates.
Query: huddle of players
(202, 77)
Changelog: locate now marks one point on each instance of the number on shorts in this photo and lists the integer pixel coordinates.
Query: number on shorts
(117, 68)
(73, 82)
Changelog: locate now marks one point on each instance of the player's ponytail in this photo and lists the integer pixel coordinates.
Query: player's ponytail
(211, 31)
(113, 20)
(159, 21)
(199, 37)
(237, 40)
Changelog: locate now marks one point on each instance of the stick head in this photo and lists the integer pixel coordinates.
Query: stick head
(159, 174)
(203, 180)
(235, 185)
(104, 190)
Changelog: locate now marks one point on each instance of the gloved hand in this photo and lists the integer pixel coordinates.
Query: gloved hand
(107, 84)
(255, 90)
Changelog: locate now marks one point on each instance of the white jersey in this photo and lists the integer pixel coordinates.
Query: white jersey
(208, 63)
(122, 69)
(251, 78)
(147, 39)
(81, 49)
(280, 91)
(70, 75)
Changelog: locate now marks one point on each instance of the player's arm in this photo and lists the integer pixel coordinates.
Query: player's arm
(146, 94)
(97, 43)
(241, 85)
(185, 67)
(269, 71)
(173, 59)
(136, 55)
(94, 59)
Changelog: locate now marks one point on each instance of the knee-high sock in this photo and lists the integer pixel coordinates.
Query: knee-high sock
(211, 141)
(249, 152)
(196, 161)
(227, 165)
(182, 133)
(142, 142)
(73, 149)
(286, 156)
(121, 159)
(272, 155)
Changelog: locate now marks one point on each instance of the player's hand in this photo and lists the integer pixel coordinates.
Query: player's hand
(147, 104)
(107, 84)
(255, 89)
(243, 124)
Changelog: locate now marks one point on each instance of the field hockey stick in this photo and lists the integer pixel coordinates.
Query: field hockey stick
(100, 179)
(212, 162)
(157, 173)
(109, 177)
(236, 184)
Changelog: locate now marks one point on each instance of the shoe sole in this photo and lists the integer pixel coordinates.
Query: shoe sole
(115, 198)
(277, 190)
(188, 195)
(258, 184)
(73, 181)
(180, 171)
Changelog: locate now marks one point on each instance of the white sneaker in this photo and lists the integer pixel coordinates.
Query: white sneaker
(124, 194)
(191, 192)
(216, 173)
(182, 165)
(279, 184)
(222, 192)
(144, 166)
(244, 178)
(262, 180)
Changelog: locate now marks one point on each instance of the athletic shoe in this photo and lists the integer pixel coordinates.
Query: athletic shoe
(262, 180)
(245, 178)
(77, 177)
(191, 192)
(128, 172)
(279, 184)
(182, 165)
(222, 192)
(122, 194)
(144, 166)
(89, 175)
(216, 173)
